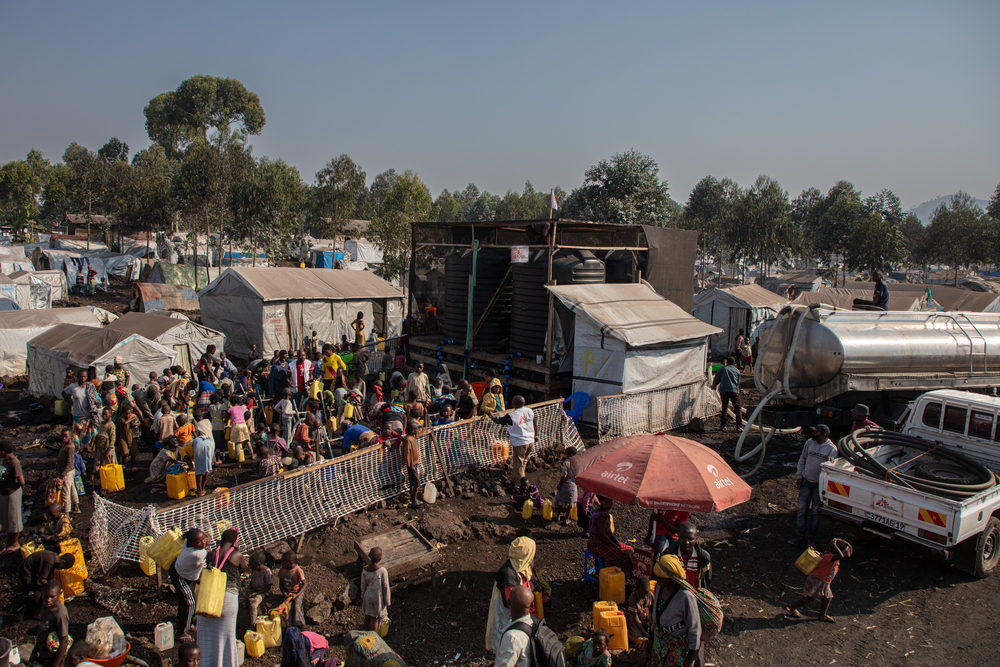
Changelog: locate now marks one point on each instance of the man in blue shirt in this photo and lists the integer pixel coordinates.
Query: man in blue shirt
(357, 436)
(728, 382)
(880, 297)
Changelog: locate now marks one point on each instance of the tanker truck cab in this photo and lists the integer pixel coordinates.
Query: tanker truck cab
(963, 527)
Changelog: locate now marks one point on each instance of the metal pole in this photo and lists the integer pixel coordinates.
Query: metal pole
(549, 333)
(468, 316)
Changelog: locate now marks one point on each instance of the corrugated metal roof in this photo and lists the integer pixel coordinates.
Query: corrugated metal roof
(633, 312)
(283, 283)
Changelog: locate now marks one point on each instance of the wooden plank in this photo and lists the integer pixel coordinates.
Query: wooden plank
(441, 460)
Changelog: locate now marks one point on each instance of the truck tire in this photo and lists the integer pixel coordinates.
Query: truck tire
(946, 473)
(987, 549)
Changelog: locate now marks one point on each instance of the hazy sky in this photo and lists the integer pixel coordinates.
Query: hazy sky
(902, 95)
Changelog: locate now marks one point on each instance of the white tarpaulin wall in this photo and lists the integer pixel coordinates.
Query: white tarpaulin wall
(19, 293)
(362, 251)
(734, 308)
(72, 346)
(57, 279)
(628, 338)
(18, 327)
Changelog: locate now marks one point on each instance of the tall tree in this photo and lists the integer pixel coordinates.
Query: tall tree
(406, 202)
(625, 190)
(993, 208)
(334, 201)
(875, 239)
(764, 232)
(86, 183)
(265, 202)
(959, 233)
(711, 211)
(915, 241)
(148, 205)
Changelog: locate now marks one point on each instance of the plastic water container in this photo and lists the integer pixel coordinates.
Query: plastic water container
(383, 629)
(808, 561)
(574, 512)
(236, 452)
(539, 607)
(61, 408)
(613, 622)
(547, 510)
(163, 636)
(430, 493)
(613, 584)
(166, 548)
(112, 478)
(600, 607)
(527, 509)
(254, 642)
(192, 482)
(270, 629)
(147, 564)
(241, 652)
(501, 451)
(211, 593)
(177, 486)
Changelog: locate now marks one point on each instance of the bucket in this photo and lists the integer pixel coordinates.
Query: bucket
(5, 647)
(479, 388)
(116, 661)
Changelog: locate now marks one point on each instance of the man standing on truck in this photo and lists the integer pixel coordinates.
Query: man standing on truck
(728, 382)
(817, 451)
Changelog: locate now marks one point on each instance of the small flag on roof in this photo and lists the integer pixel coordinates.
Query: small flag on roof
(554, 205)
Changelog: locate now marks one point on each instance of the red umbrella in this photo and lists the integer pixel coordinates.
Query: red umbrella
(660, 472)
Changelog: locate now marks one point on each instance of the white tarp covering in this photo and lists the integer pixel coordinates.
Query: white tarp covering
(73, 346)
(18, 327)
(19, 293)
(10, 264)
(186, 338)
(117, 264)
(744, 307)
(627, 338)
(56, 279)
(79, 245)
(363, 251)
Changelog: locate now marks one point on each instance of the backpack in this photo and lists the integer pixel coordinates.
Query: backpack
(546, 649)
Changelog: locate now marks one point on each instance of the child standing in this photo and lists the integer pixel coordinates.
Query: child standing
(292, 582)
(375, 597)
(411, 457)
(819, 580)
(286, 409)
(566, 493)
(260, 585)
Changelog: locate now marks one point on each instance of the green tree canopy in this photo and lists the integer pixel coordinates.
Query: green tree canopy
(625, 190)
(407, 201)
(340, 187)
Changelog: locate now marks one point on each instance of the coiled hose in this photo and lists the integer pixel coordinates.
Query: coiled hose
(854, 448)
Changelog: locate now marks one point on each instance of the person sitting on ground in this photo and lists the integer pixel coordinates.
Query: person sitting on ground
(57, 526)
(375, 596)
(527, 491)
(594, 652)
(259, 587)
(53, 640)
(292, 582)
(694, 557)
(817, 586)
(492, 402)
(637, 615)
(184, 575)
(302, 456)
(861, 421)
(79, 655)
(602, 541)
(166, 456)
(269, 463)
(566, 489)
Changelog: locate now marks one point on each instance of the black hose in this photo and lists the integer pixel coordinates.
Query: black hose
(854, 448)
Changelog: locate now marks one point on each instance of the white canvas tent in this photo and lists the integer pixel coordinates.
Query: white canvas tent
(628, 339)
(56, 279)
(186, 338)
(733, 308)
(19, 326)
(74, 346)
(275, 308)
(19, 293)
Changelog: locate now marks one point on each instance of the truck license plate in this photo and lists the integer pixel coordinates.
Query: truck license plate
(895, 525)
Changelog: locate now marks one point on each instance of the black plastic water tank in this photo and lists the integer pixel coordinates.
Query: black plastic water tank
(491, 267)
(530, 315)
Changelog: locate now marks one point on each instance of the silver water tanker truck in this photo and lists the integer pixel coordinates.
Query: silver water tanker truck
(815, 364)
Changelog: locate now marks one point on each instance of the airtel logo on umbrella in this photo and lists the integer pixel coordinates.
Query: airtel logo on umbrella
(616, 476)
(714, 472)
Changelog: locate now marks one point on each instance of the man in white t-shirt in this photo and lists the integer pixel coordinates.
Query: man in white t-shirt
(520, 423)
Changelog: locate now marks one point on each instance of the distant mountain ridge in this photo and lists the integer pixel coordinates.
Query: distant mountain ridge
(926, 210)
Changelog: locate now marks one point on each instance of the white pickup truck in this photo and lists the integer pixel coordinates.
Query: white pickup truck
(968, 530)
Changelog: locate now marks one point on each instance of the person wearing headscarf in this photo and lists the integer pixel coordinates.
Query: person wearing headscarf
(217, 636)
(513, 573)
(444, 374)
(295, 649)
(120, 372)
(676, 620)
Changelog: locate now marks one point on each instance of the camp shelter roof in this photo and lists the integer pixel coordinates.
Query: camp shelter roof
(633, 313)
(153, 326)
(83, 345)
(948, 297)
(174, 274)
(284, 283)
(744, 296)
(28, 319)
(147, 297)
(843, 297)
(798, 277)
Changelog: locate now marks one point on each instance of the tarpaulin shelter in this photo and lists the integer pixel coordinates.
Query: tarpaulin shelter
(56, 279)
(78, 268)
(733, 308)
(9, 263)
(843, 297)
(80, 347)
(18, 327)
(275, 308)
(628, 339)
(124, 266)
(186, 338)
(79, 245)
(8, 304)
(174, 274)
(945, 297)
(160, 296)
(17, 292)
(363, 251)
